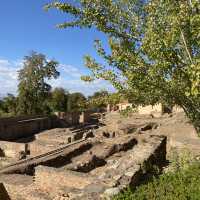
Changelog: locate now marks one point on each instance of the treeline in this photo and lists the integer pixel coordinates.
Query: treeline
(59, 100)
(36, 96)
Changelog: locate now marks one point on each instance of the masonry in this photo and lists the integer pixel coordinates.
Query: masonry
(93, 160)
(18, 127)
(14, 128)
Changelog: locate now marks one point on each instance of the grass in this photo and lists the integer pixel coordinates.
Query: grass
(181, 184)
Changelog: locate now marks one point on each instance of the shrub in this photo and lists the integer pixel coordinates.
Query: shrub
(128, 112)
(183, 184)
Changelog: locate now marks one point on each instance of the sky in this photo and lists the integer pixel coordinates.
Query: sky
(26, 27)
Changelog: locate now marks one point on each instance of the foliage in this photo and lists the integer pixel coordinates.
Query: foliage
(58, 100)
(115, 98)
(180, 185)
(76, 102)
(128, 112)
(154, 53)
(8, 106)
(33, 89)
(180, 160)
(98, 100)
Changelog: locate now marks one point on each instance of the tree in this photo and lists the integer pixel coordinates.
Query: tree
(98, 100)
(33, 89)
(9, 105)
(58, 100)
(116, 98)
(76, 102)
(154, 51)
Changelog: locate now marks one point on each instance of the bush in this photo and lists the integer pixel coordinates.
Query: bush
(128, 112)
(183, 184)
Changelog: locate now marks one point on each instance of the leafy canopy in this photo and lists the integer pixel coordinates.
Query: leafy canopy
(58, 100)
(76, 102)
(154, 45)
(33, 89)
(8, 105)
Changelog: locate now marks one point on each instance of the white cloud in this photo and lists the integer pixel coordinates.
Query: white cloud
(69, 79)
(70, 70)
(8, 77)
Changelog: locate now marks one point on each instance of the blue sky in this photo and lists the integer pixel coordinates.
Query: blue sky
(25, 26)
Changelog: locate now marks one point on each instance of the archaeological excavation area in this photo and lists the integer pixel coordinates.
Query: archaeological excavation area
(94, 158)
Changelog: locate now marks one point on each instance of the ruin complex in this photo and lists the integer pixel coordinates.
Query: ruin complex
(92, 156)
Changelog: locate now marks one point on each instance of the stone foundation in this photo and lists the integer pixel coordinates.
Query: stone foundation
(119, 170)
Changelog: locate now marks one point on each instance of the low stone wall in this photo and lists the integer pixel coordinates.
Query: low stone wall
(105, 181)
(11, 149)
(68, 119)
(19, 127)
(85, 117)
(150, 109)
(124, 106)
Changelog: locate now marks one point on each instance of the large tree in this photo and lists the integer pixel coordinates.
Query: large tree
(154, 53)
(33, 88)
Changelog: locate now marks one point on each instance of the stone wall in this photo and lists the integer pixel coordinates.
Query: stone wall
(150, 109)
(11, 149)
(68, 119)
(109, 179)
(84, 117)
(19, 127)
(124, 106)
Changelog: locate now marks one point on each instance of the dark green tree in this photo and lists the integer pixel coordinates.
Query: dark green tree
(8, 105)
(33, 89)
(76, 102)
(58, 100)
(154, 53)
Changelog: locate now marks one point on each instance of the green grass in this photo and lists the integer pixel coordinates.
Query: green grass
(183, 184)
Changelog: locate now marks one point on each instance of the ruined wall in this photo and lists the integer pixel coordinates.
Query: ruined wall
(11, 149)
(84, 117)
(113, 176)
(157, 109)
(68, 119)
(19, 127)
(13, 128)
(124, 106)
(150, 109)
